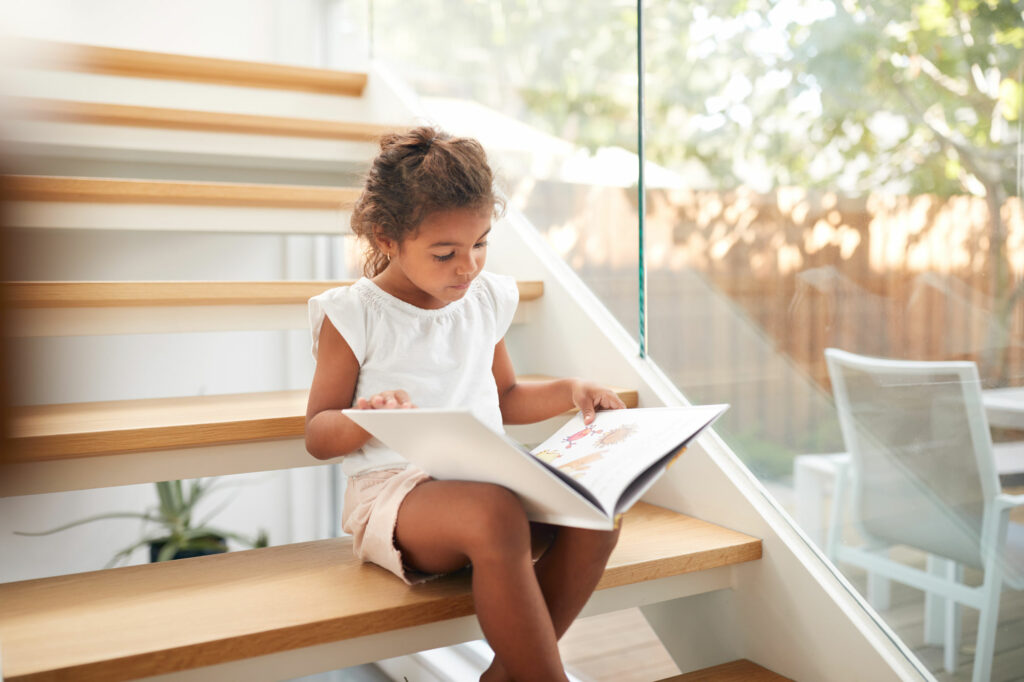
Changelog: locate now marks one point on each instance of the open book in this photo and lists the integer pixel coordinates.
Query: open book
(582, 476)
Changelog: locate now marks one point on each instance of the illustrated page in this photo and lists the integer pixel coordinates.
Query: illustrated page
(608, 454)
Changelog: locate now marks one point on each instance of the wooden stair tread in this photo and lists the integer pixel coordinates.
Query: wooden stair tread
(73, 430)
(734, 671)
(162, 65)
(49, 432)
(157, 618)
(181, 293)
(113, 190)
(183, 119)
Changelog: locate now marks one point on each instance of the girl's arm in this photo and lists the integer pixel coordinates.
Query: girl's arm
(523, 403)
(329, 433)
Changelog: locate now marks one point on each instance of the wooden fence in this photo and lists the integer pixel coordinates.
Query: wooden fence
(746, 290)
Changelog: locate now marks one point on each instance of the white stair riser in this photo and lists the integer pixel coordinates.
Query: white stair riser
(177, 218)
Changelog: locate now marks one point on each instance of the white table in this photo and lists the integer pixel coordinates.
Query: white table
(1004, 407)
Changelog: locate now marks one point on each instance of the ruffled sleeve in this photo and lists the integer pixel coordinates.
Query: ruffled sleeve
(504, 293)
(344, 308)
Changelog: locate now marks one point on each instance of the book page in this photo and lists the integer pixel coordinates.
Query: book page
(619, 445)
(455, 445)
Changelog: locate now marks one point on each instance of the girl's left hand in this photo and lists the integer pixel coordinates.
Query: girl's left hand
(590, 397)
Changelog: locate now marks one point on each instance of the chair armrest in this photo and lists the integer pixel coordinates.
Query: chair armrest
(1004, 501)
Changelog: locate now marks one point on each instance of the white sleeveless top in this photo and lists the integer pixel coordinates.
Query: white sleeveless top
(441, 358)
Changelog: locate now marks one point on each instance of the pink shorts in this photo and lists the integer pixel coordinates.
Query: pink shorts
(370, 514)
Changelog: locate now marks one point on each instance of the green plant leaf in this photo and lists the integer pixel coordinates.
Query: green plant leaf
(178, 489)
(1011, 98)
(217, 510)
(169, 549)
(163, 491)
(172, 516)
(90, 519)
(127, 551)
(206, 543)
(241, 539)
(195, 491)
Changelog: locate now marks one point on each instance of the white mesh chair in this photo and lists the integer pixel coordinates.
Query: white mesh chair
(922, 474)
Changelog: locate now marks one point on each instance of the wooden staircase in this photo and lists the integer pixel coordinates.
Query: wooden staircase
(98, 113)
(209, 611)
(267, 613)
(734, 671)
(160, 65)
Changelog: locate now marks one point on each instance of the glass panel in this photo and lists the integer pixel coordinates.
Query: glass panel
(550, 90)
(849, 176)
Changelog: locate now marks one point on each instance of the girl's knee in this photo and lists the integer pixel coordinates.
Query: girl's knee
(498, 527)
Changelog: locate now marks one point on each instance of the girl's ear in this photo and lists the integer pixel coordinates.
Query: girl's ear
(385, 245)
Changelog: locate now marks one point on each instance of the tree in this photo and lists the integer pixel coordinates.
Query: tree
(921, 97)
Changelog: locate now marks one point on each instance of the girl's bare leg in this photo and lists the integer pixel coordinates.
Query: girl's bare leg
(442, 525)
(567, 573)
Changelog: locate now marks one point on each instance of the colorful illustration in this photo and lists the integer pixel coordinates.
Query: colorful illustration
(577, 467)
(617, 435)
(547, 456)
(580, 435)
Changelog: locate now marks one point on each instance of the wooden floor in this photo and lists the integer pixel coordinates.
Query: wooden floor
(615, 646)
(906, 617)
(622, 647)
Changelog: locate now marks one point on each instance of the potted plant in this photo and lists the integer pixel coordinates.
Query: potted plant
(175, 535)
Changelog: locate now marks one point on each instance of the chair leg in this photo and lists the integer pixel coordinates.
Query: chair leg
(953, 621)
(992, 541)
(934, 607)
(988, 618)
(879, 589)
(952, 630)
(942, 615)
(809, 489)
(879, 592)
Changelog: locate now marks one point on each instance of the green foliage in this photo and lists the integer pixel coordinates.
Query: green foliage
(768, 459)
(848, 94)
(173, 518)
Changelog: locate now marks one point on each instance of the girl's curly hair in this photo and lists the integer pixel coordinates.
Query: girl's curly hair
(416, 173)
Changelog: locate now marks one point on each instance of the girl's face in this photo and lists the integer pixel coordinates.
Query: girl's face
(435, 265)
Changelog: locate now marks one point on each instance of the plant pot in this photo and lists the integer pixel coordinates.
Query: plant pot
(218, 545)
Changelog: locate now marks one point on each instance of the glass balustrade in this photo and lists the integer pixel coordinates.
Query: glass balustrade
(850, 178)
(820, 174)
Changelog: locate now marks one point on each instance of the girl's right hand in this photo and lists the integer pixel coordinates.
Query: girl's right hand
(385, 400)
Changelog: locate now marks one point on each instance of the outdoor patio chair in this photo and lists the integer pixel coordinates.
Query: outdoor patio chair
(922, 474)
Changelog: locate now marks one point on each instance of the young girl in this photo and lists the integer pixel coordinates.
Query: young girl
(425, 328)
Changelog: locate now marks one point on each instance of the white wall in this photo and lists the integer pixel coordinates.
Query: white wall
(235, 29)
(301, 32)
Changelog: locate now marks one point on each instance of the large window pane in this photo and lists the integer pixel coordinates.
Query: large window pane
(851, 179)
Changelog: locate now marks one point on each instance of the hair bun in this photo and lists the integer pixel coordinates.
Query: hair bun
(411, 140)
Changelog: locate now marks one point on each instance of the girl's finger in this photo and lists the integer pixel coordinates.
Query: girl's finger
(587, 408)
